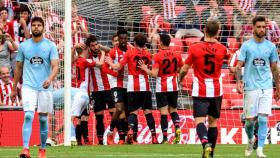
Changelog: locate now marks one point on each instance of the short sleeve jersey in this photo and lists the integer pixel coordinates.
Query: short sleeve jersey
(257, 58)
(207, 59)
(138, 79)
(168, 63)
(37, 59)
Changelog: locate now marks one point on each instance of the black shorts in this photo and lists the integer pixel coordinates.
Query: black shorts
(102, 100)
(167, 98)
(119, 95)
(203, 106)
(85, 112)
(138, 100)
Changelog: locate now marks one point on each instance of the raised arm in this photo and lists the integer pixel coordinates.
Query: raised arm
(151, 72)
(101, 61)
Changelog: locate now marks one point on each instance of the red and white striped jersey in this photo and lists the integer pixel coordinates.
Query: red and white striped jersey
(247, 5)
(8, 4)
(207, 59)
(79, 36)
(99, 80)
(234, 59)
(273, 32)
(169, 9)
(138, 80)
(121, 80)
(14, 31)
(82, 73)
(5, 92)
(168, 63)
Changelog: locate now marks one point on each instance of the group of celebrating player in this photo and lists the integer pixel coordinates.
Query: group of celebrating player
(119, 80)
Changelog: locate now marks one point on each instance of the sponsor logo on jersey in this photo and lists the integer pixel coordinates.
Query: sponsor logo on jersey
(36, 60)
(259, 62)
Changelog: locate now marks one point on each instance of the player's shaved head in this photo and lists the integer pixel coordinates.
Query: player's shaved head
(165, 39)
(140, 40)
(212, 28)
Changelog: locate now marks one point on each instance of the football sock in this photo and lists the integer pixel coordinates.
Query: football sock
(27, 128)
(84, 129)
(132, 120)
(151, 123)
(99, 127)
(212, 137)
(202, 133)
(43, 130)
(120, 129)
(135, 130)
(78, 133)
(164, 126)
(249, 128)
(176, 120)
(262, 131)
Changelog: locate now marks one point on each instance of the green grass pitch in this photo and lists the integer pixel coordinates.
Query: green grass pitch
(139, 151)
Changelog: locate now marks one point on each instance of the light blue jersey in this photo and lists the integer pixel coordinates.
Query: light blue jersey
(36, 58)
(257, 58)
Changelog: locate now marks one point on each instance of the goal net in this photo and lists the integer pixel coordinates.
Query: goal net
(184, 21)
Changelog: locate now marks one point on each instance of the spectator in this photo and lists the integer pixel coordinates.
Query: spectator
(7, 45)
(4, 18)
(215, 12)
(187, 23)
(9, 6)
(79, 27)
(6, 88)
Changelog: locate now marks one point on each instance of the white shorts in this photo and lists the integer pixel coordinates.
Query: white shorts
(32, 99)
(257, 101)
(79, 103)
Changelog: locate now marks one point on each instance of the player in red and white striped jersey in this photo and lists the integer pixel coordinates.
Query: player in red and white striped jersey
(207, 58)
(82, 80)
(99, 86)
(165, 68)
(118, 84)
(79, 27)
(169, 9)
(6, 88)
(138, 87)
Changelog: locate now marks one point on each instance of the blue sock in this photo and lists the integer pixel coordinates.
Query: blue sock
(43, 130)
(27, 128)
(73, 132)
(262, 131)
(249, 128)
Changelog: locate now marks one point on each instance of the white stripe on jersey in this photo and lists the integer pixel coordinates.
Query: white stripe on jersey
(169, 83)
(130, 84)
(195, 86)
(112, 81)
(98, 79)
(84, 85)
(142, 83)
(221, 85)
(158, 84)
(210, 91)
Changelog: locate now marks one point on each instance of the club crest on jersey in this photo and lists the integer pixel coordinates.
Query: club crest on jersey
(259, 62)
(36, 60)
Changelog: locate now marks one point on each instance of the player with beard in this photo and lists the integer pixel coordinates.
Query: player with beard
(260, 58)
(99, 87)
(138, 87)
(37, 64)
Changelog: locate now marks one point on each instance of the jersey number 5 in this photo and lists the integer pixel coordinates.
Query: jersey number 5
(209, 63)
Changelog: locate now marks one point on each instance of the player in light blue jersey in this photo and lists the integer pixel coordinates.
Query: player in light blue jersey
(37, 64)
(79, 100)
(260, 58)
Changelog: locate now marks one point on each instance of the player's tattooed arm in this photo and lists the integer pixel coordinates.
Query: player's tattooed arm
(238, 76)
(17, 77)
(275, 74)
(184, 71)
